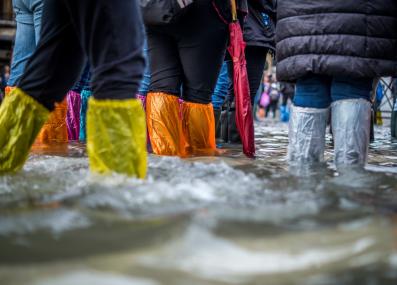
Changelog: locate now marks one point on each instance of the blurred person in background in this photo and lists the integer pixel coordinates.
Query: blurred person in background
(274, 96)
(287, 90)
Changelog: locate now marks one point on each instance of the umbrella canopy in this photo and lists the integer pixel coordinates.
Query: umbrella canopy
(244, 117)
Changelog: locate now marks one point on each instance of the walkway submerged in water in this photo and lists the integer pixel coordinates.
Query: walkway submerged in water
(201, 221)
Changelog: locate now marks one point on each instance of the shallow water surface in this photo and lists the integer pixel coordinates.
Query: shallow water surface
(223, 220)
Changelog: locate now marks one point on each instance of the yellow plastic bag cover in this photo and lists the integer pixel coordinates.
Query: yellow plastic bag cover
(8, 90)
(55, 129)
(165, 124)
(116, 137)
(21, 118)
(199, 129)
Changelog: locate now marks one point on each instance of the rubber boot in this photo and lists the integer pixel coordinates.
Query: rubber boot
(164, 121)
(351, 121)
(116, 137)
(307, 128)
(21, 118)
(199, 129)
(73, 115)
(142, 98)
(85, 96)
(55, 129)
(217, 115)
(233, 134)
(224, 126)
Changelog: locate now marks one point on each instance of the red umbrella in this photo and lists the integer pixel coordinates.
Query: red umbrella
(244, 118)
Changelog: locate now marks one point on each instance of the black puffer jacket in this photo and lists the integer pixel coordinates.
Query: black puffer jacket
(354, 38)
(258, 30)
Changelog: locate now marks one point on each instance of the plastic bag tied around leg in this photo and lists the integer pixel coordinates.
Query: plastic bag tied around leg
(8, 90)
(116, 137)
(55, 129)
(21, 118)
(351, 121)
(165, 124)
(307, 135)
(142, 98)
(85, 95)
(73, 115)
(199, 129)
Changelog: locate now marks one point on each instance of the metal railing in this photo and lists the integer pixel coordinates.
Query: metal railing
(389, 97)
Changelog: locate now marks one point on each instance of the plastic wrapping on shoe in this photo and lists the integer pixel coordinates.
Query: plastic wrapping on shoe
(165, 124)
(307, 128)
(73, 115)
(284, 114)
(199, 129)
(21, 118)
(142, 98)
(55, 129)
(8, 90)
(85, 95)
(116, 137)
(351, 123)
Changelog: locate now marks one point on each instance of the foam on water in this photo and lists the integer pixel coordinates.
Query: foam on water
(245, 218)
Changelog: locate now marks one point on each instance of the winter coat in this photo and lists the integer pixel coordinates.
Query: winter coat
(259, 26)
(353, 38)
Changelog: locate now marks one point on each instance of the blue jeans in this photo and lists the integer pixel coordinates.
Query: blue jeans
(222, 88)
(28, 18)
(319, 91)
(145, 83)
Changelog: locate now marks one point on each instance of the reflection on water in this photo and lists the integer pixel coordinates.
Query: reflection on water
(223, 220)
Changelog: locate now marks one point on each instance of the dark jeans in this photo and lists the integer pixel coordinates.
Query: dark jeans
(319, 91)
(188, 54)
(256, 60)
(107, 33)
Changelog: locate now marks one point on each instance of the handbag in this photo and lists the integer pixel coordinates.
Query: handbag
(163, 12)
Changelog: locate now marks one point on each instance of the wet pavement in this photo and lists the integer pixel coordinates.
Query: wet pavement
(223, 220)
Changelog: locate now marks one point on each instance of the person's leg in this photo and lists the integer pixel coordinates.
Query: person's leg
(274, 108)
(309, 119)
(162, 103)
(111, 34)
(219, 97)
(36, 6)
(25, 43)
(256, 60)
(351, 119)
(58, 60)
(43, 83)
(202, 41)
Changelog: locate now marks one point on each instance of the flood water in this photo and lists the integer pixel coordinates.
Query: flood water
(224, 220)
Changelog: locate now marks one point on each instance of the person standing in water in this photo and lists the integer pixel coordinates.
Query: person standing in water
(333, 50)
(110, 35)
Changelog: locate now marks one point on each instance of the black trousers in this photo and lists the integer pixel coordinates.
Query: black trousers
(256, 60)
(107, 33)
(187, 56)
